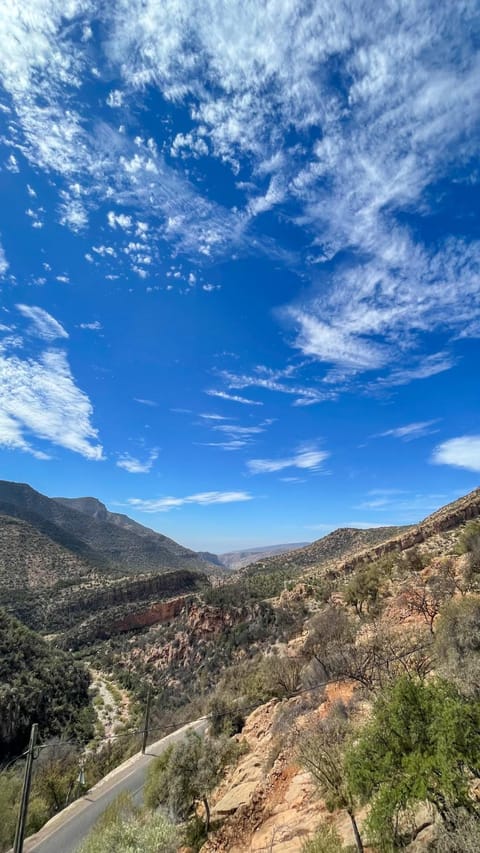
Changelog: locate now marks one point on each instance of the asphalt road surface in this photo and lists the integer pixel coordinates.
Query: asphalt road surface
(66, 831)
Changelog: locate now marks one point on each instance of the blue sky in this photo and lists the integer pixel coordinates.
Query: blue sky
(240, 261)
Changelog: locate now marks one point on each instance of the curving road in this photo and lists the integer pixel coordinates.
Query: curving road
(65, 832)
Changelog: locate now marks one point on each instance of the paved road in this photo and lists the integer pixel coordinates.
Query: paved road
(64, 832)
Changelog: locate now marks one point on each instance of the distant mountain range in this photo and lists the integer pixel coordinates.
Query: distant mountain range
(237, 559)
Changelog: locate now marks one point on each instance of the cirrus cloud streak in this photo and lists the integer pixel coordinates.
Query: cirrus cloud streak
(201, 499)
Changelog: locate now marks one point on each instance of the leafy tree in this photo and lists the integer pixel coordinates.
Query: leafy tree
(363, 590)
(330, 635)
(421, 745)
(469, 541)
(187, 773)
(322, 753)
(281, 675)
(469, 544)
(457, 644)
(414, 560)
(123, 828)
(225, 716)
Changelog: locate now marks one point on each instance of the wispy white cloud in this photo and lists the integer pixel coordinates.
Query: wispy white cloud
(136, 466)
(145, 402)
(236, 435)
(395, 91)
(202, 498)
(399, 113)
(235, 398)
(214, 417)
(12, 164)
(233, 444)
(94, 326)
(3, 261)
(240, 431)
(11, 437)
(426, 366)
(43, 325)
(122, 220)
(307, 458)
(461, 452)
(189, 145)
(281, 381)
(408, 432)
(39, 398)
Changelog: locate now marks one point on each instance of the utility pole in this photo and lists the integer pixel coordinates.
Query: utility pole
(147, 719)
(27, 779)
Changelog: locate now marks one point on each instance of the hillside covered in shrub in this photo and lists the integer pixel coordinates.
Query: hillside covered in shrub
(38, 684)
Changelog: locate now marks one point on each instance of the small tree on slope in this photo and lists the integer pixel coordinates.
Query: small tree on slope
(421, 745)
(322, 753)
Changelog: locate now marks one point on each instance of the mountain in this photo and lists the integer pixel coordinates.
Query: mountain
(334, 546)
(71, 565)
(237, 559)
(109, 541)
(212, 558)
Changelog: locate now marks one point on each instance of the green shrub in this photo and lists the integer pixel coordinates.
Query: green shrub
(419, 746)
(225, 716)
(325, 840)
(469, 539)
(125, 829)
(457, 644)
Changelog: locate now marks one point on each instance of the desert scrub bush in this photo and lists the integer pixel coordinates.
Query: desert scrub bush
(469, 540)
(187, 772)
(322, 751)
(123, 828)
(115, 692)
(325, 840)
(461, 836)
(413, 560)
(457, 644)
(225, 716)
(288, 712)
(281, 675)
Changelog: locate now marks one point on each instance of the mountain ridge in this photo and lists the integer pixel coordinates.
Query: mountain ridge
(335, 545)
(109, 541)
(235, 560)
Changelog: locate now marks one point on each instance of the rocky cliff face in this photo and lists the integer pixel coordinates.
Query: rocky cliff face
(186, 650)
(328, 549)
(268, 802)
(447, 518)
